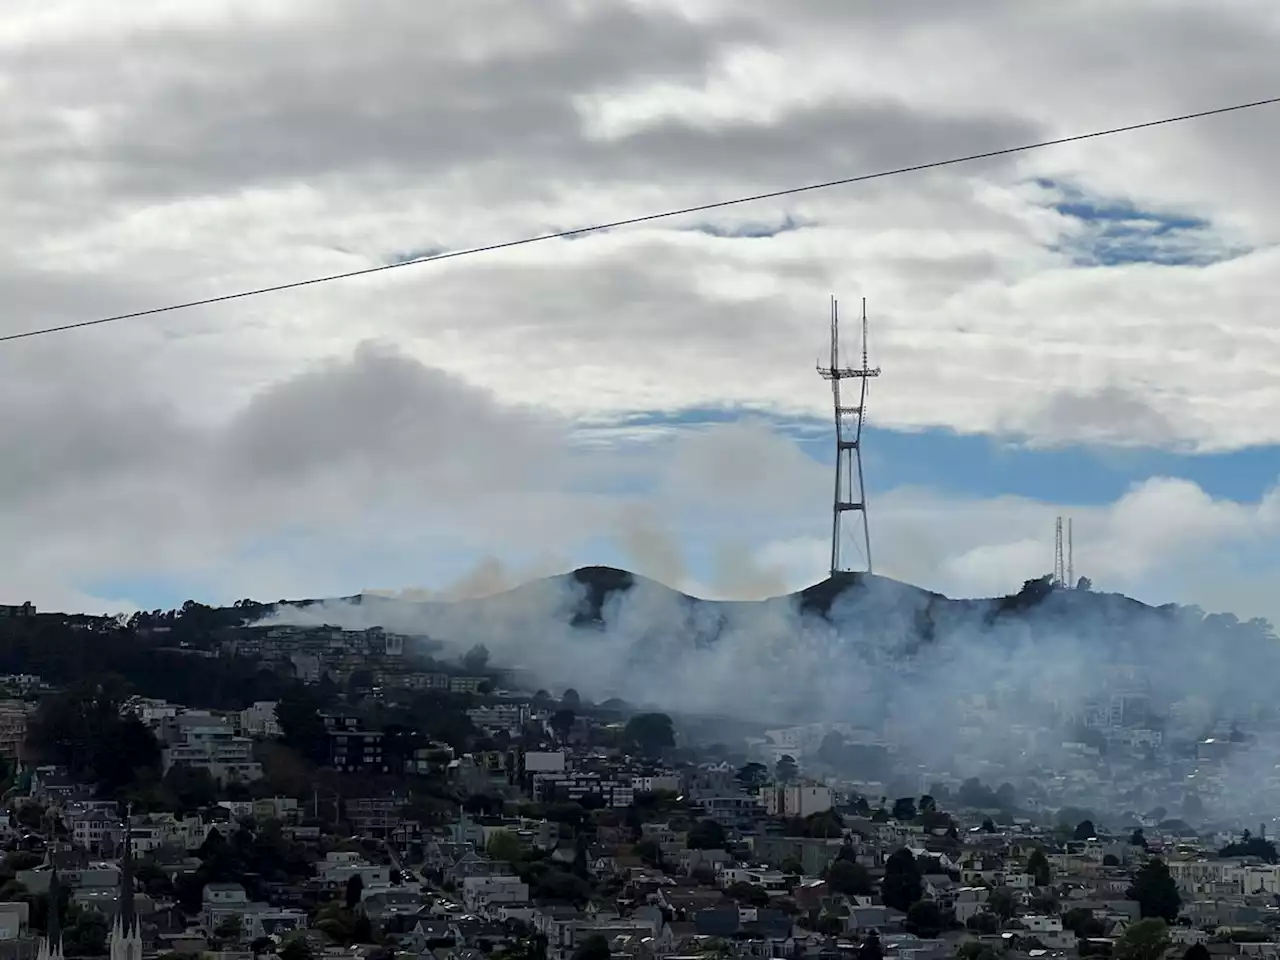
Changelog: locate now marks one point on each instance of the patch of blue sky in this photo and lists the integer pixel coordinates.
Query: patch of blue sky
(149, 592)
(1113, 232)
(751, 229)
(979, 466)
(408, 256)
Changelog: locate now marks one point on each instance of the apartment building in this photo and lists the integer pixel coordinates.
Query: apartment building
(14, 715)
(204, 741)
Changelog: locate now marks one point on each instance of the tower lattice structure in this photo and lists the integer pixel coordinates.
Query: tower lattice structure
(850, 490)
(1064, 560)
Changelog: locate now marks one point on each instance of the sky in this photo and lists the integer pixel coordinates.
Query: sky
(1087, 330)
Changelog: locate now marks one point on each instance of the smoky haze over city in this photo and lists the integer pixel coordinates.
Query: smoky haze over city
(1076, 698)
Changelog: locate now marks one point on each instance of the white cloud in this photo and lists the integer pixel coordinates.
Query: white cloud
(216, 145)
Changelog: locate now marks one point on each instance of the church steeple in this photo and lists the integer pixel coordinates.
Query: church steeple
(126, 932)
(128, 916)
(51, 944)
(54, 926)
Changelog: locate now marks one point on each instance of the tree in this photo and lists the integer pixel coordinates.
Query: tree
(1197, 951)
(86, 936)
(925, 919)
(82, 728)
(1045, 904)
(362, 929)
(296, 948)
(1082, 922)
(752, 776)
(649, 733)
(987, 825)
(355, 890)
(229, 928)
(301, 725)
(976, 949)
(360, 681)
(904, 809)
(505, 845)
(562, 723)
(649, 851)
(1156, 892)
(1002, 903)
(1145, 940)
(1038, 867)
(1085, 830)
(570, 699)
(594, 947)
(1138, 839)
(928, 804)
(786, 769)
(707, 835)
(476, 659)
(871, 949)
(1251, 846)
(902, 884)
(848, 878)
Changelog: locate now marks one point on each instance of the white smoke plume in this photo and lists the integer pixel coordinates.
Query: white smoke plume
(995, 689)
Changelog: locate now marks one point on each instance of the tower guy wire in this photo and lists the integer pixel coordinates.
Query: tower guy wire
(632, 221)
(850, 490)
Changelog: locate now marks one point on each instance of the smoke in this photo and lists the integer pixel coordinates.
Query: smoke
(1075, 698)
(649, 546)
(488, 577)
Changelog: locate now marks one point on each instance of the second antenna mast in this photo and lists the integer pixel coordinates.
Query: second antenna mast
(850, 492)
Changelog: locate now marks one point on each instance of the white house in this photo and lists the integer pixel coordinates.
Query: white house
(797, 800)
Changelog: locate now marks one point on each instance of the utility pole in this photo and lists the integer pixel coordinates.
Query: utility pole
(850, 492)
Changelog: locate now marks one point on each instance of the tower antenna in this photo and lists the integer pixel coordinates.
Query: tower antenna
(850, 492)
(1064, 558)
(1071, 555)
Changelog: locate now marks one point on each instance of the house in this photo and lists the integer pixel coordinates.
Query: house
(478, 893)
(969, 902)
(14, 919)
(93, 828)
(338, 867)
(797, 800)
(221, 900)
(260, 720)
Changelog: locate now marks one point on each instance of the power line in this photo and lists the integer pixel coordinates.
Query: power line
(632, 221)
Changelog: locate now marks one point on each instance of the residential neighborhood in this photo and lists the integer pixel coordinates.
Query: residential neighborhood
(457, 814)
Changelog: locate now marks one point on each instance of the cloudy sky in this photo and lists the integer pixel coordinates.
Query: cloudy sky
(1088, 330)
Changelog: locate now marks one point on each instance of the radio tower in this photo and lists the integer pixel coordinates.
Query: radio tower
(850, 494)
(1071, 556)
(1064, 556)
(1059, 568)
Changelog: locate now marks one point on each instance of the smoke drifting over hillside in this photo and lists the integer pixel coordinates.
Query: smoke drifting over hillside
(1006, 690)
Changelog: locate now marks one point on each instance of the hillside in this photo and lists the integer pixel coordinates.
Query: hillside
(594, 587)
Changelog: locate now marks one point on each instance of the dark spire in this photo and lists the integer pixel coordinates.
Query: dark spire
(53, 927)
(127, 912)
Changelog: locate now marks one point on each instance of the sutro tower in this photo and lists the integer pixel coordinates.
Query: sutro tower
(850, 494)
